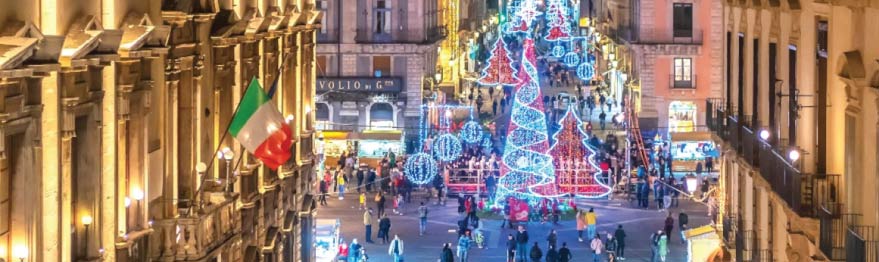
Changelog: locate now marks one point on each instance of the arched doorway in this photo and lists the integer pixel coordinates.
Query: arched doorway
(323, 116)
(381, 116)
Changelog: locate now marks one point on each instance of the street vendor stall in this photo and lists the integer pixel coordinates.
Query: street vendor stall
(370, 146)
(690, 148)
(703, 244)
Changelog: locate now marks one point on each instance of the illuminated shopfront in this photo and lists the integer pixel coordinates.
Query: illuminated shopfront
(681, 116)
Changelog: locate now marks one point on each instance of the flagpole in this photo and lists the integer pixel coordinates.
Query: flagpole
(223, 137)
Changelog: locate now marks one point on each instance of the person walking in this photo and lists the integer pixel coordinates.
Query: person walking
(464, 243)
(384, 227)
(662, 246)
(581, 224)
(367, 223)
(552, 255)
(565, 253)
(597, 246)
(591, 217)
(683, 219)
(422, 222)
(522, 244)
(380, 204)
(360, 176)
(396, 249)
(620, 236)
(552, 238)
(340, 180)
(362, 201)
(370, 179)
(323, 193)
(511, 248)
(447, 255)
(354, 251)
(669, 225)
(654, 246)
(536, 254)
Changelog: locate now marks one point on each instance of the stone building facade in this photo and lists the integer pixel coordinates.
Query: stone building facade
(113, 112)
(673, 51)
(368, 41)
(797, 120)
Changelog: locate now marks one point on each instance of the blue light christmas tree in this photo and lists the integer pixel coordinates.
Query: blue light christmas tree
(527, 172)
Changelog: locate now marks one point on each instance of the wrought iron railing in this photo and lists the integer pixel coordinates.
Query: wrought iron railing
(861, 244)
(678, 83)
(660, 37)
(833, 227)
(744, 245)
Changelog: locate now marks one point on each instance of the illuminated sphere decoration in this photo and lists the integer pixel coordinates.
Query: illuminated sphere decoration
(471, 132)
(558, 51)
(420, 168)
(447, 147)
(571, 59)
(586, 71)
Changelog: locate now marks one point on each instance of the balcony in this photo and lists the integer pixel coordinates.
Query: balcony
(194, 237)
(744, 244)
(660, 37)
(368, 36)
(861, 244)
(682, 84)
(804, 193)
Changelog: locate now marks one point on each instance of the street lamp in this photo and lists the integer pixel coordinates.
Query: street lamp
(764, 134)
(228, 154)
(793, 155)
(289, 119)
(86, 221)
(20, 252)
(137, 195)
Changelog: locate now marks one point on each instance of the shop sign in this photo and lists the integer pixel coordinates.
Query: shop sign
(360, 84)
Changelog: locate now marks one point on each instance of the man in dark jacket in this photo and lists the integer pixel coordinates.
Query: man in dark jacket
(683, 219)
(384, 227)
(380, 205)
(323, 193)
(360, 177)
(536, 253)
(669, 225)
(522, 244)
(552, 255)
(620, 237)
(447, 255)
(565, 253)
(370, 180)
(511, 248)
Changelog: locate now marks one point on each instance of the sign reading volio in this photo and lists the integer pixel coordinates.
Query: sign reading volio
(360, 84)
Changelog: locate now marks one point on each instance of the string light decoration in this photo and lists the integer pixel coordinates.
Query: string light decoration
(527, 171)
(571, 59)
(420, 168)
(586, 71)
(558, 51)
(486, 142)
(447, 147)
(499, 70)
(570, 154)
(524, 16)
(471, 132)
(558, 22)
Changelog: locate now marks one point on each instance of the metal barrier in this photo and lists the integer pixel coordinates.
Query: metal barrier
(860, 244)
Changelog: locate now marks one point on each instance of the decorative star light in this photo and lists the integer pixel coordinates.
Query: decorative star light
(447, 147)
(420, 168)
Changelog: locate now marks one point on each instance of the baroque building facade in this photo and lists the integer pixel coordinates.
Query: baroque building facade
(797, 123)
(113, 141)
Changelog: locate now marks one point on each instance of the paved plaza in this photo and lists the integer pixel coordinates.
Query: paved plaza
(638, 223)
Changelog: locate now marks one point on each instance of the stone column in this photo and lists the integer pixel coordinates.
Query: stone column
(48, 152)
(105, 230)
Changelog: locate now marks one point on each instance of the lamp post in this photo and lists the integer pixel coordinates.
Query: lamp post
(86, 222)
(20, 252)
(137, 195)
(227, 155)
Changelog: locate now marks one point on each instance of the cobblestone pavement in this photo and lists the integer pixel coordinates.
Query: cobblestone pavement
(638, 223)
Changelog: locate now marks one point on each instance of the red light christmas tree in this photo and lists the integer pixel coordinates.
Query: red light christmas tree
(559, 27)
(571, 157)
(500, 70)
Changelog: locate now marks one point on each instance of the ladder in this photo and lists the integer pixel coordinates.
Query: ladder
(635, 132)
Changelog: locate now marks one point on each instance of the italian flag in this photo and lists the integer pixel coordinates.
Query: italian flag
(260, 128)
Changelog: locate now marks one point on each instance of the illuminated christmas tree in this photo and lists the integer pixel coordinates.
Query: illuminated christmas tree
(575, 170)
(499, 70)
(559, 22)
(527, 172)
